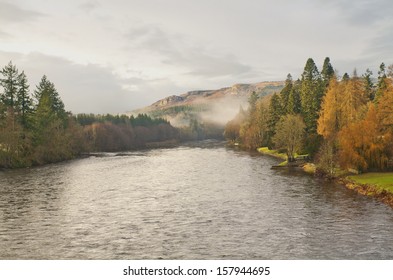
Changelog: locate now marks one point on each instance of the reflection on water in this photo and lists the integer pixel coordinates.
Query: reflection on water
(201, 201)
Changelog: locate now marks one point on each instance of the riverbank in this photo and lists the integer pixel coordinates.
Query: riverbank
(377, 185)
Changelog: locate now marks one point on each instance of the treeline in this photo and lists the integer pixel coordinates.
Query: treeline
(35, 128)
(342, 122)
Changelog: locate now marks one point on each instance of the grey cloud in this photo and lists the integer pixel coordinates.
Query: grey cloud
(4, 35)
(83, 88)
(10, 13)
(362, 12)
(89, 6)
(175, 50)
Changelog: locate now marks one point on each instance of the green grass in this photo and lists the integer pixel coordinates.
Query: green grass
(381, 180)
(275, 153)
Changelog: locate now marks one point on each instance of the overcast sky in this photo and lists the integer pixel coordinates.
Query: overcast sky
(118, 55)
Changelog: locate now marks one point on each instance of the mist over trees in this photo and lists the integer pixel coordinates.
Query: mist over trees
(342, 122)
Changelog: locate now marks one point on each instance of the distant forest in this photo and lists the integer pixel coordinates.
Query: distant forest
(36, 129)
(341, 122)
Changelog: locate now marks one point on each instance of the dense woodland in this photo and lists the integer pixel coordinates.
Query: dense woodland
(341, 122)
(36, 129)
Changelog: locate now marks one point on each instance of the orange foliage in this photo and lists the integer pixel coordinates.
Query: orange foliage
(362, 146)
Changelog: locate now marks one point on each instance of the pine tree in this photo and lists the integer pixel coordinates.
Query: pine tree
(294, 102)
(47, 88)
(311, 94)
(9, 82)
(275, 111)
(382, 84)
(369, 85)
(23, 100)
(327, 71)
(285, 93)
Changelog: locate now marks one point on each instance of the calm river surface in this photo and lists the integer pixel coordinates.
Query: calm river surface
(201, 201)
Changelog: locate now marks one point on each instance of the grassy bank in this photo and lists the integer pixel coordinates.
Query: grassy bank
(382, 181)
(273, 153)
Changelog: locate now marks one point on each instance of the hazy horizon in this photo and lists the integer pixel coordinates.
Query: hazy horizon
(113, 57)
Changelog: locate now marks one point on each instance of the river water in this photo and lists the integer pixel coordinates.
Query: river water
(200, 201)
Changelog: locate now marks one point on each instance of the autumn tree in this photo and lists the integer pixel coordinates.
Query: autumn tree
(353, 101)
(362, 146)
(330, 118)
(289, 134)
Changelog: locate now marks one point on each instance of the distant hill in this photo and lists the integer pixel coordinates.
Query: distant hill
(214, 106)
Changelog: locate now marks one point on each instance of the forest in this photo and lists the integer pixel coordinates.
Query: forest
(36, 129)
(341, 122)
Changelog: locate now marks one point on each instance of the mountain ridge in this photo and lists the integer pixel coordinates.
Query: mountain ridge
(179, 109)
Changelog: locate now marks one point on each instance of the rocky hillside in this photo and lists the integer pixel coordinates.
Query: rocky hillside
(216, 106)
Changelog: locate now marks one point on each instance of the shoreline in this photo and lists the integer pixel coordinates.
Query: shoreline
(369, 190)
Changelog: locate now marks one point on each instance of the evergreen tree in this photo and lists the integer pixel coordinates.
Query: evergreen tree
(275, 111)
(23, 100)
(252, 101)
(9, 82)
(345, 77)
(294, 102)
(47, 88)
(369, 85)
(381, 86)
(311, 94)
(285, 93)
(327, 71)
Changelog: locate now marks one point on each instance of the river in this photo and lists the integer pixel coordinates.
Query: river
(197, 201)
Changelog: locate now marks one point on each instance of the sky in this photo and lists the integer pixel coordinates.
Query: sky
(119, 55)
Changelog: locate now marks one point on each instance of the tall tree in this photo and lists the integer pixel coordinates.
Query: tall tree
(311, 94)
(385, 108)
(369, 85)
(327, 71)
(23, 100)
(381, 85)
(9, 82)
(330, 118)
(294, 102)
(285, 93)
(353, 99)
(47, 88)
(275, 111)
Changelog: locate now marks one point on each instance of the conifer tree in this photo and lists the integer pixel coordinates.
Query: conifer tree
(327, 71)
(23, 100)
(311, 94)
(9, 82)
(47, 88)
(381, 85)
(369, 85)
(294, 102)
(285, 93)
